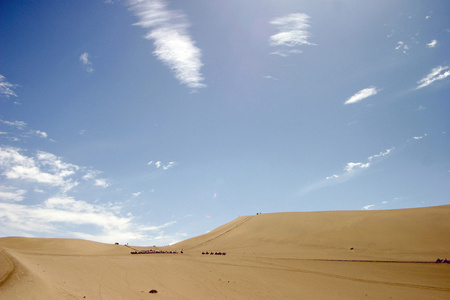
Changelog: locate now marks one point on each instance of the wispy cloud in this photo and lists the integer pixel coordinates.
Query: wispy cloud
(432, 44)
(350, 170)
(419, 137)
(165, 166)
(402, 47)
(87, 65)
(362, 94)
(92, 175)
(367, 207)
(23, 128)
(6, 88)
(293, 32)
(17, 124)
(437, 73)
(174, 46)
(153, 228)
(381, 154)
(352, 167)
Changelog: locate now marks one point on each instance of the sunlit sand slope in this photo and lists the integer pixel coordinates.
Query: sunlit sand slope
(314, 255)
(389, 234)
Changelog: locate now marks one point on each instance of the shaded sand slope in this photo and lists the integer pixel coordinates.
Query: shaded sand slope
(269, 256)
(61, 246)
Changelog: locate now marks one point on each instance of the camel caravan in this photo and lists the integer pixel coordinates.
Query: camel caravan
(214, 253)
(155, 252)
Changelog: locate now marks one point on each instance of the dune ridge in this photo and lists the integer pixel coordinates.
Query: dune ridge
(418, 234)
(354, 254)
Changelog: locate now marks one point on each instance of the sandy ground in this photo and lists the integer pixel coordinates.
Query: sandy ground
(314, 255)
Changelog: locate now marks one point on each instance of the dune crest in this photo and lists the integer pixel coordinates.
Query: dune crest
(389, 234)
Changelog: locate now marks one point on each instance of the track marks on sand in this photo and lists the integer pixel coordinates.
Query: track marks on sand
(277, 267)
(6, 267)
(245, 219)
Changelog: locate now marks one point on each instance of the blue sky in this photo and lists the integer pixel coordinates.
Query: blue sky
(150, 122)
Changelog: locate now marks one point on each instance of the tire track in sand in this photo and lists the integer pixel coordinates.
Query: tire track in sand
(7, 267)
(272, 266)
(225, 232)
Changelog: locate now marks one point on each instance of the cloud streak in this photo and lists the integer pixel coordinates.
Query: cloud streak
(293, 32)
(158, 164)
(438, 73)
(432, 44)
(362, 94)
(173, 45)
(22, 126)
(350, 170)
(87, 65)
(6, 88)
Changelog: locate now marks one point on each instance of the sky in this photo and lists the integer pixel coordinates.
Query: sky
(149, 122)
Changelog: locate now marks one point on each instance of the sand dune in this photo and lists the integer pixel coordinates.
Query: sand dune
(314, 255)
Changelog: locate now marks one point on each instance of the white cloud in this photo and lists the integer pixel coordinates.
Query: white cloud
(153, 228)
(59, 215)
(174, 46)
(362, 94)
(45, 168)
(367, 207)
(350, 170)
(136, 194)
(351, 166)
(91, 175)
(419, 137)
(18, 124)
(285, 53)
(432, 44)
(41, 134)
(6, 88)
(158, 164)
(9, 193)
(170, 165)
(381, 154)
(14, 165)
(102, 182)
(22, 126)
(270, 77)
(437, 73)
(87, 65)
(292, 30)
(402, 47)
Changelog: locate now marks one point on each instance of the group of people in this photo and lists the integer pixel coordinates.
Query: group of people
(214, 253)
(154, 252)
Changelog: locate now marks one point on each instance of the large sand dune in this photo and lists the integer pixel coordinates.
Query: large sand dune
(314, 255)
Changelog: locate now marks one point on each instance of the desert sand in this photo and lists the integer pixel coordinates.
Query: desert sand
(386, 254)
